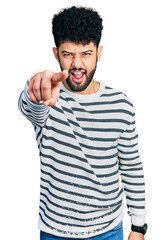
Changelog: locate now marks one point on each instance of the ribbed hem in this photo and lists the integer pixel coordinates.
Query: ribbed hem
(73, 235)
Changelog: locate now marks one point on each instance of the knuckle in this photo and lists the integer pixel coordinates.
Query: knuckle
(46, 73)
(45, 87)
(32, 98)
(37, 76)
(35, 88)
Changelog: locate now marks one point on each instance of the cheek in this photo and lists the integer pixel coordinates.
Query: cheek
(90, 65)
(65, 63)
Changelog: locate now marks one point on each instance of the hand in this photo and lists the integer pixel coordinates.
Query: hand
(136, 236)
(46, 86)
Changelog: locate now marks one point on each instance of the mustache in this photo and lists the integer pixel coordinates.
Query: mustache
(77, 69)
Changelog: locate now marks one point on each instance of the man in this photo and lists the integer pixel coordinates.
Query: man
(86, 136)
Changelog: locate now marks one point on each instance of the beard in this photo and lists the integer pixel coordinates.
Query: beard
(88, 78)
(81, 87)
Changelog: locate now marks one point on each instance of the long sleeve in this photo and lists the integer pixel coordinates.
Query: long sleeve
(132, 174)
(79, 146)
(36, 113)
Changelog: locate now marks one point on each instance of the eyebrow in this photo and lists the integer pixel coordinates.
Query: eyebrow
(82, 52)
(87, 51)
(65, 52)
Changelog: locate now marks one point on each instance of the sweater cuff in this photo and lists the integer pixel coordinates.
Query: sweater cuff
(138, 220)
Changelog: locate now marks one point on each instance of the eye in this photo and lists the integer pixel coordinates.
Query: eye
(67, 54)
(86, 53)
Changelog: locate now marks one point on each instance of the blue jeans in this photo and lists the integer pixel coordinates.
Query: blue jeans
(114, 234)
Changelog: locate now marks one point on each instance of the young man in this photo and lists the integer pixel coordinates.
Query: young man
(86, 137)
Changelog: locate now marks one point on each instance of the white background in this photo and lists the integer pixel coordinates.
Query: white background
(133, 61)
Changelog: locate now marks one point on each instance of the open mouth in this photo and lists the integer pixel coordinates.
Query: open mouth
(77, 75)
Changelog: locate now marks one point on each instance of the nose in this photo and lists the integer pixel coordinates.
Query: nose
(77, 62)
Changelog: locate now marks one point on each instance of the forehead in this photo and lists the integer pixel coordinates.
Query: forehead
(74, 47)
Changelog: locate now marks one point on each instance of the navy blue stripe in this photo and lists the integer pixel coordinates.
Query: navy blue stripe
(102, 157)
(66, 163)
(103, 120)
(131, 169)
(133, 183)
(132, 176)
(129, 138)
(58, 120)
(73, 225)
(130, 152)
(136, 207)
(129, 159)
(127, 145)
(78, 185)
(59, 131)
(134, 191)
(102, 129)
(136, 199)
(90, 197)
(107, 103)
(54, 203)
(97, 148)
(77, 176)
(75, 109)
(87, 155)
(95, 138)
(61, 142)
(82, 226)
(76, 218)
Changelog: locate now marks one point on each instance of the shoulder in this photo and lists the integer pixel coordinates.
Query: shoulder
(117, 95)
(119, 101)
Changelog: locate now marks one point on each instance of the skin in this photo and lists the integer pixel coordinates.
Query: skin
(45, 86)
(135, 236)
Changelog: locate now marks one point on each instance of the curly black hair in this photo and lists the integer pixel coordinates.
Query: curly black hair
(78, 25)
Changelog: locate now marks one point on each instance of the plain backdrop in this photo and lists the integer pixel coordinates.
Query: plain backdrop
(133, 61)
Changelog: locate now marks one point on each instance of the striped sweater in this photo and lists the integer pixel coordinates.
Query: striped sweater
(89, 157)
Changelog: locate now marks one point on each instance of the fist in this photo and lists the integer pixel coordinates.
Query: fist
(46, 86)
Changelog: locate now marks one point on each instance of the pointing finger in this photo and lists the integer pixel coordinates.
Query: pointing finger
(57, 77)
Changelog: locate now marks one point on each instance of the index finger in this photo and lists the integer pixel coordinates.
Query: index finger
(58, 77)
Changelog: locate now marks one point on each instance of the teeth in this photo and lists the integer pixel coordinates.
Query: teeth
(78, 73)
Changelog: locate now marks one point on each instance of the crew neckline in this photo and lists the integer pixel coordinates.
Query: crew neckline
(85, 96)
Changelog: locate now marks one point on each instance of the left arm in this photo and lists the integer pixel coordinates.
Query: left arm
(132, 176)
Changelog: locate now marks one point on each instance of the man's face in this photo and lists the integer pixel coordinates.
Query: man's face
(80, 61)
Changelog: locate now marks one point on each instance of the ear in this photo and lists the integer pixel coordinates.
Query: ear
(100, 50)
(55, 51)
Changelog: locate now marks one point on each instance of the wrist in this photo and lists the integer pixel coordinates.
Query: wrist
(139, 229)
